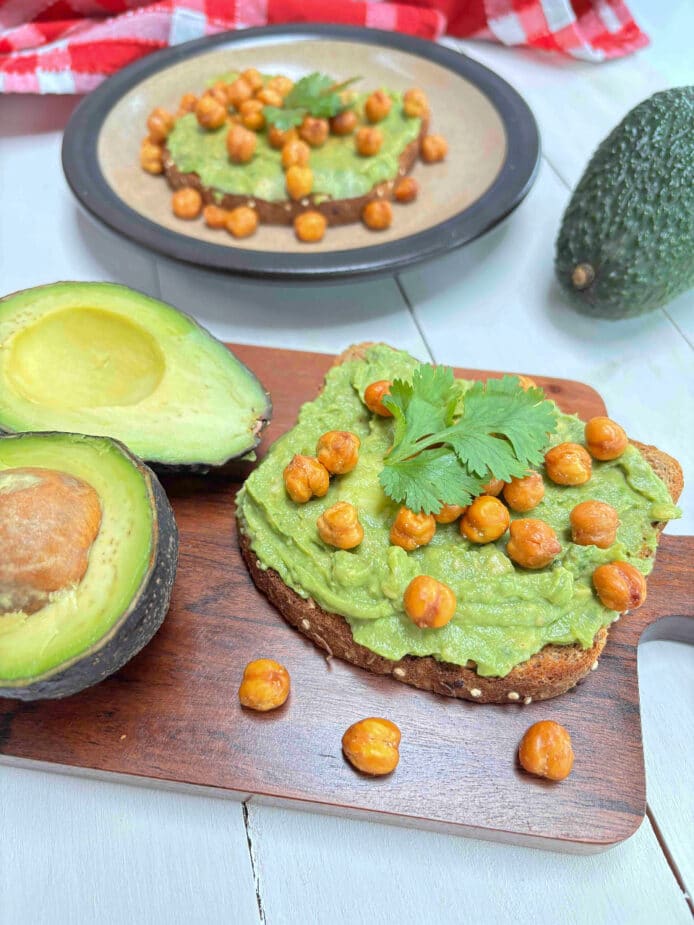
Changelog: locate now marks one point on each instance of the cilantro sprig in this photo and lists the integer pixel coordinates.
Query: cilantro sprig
(442, 455)
(314, 95)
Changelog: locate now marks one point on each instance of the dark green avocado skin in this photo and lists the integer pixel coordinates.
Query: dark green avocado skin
(136, 627)
(631, 217)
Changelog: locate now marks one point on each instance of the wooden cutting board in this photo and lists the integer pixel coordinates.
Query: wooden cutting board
(172, 714)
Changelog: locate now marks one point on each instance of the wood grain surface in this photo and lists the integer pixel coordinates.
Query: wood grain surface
(172, 713)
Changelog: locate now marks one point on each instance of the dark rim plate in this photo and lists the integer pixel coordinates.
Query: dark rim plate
(83, 173)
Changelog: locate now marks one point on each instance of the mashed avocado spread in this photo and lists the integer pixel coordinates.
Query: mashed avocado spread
(338, 171)
(504, 614)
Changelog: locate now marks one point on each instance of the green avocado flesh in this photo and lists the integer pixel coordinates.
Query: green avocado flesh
(504, 614)
(77, 617)
(338, 171)
(98, 358)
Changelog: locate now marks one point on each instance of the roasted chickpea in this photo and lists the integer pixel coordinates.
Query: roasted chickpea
(485, 520)
(159, 124)
(295, 153)
(377, 214)
(545, 750)
(344, 122)
(433, 148)
(252, 115)
(338, 450)
(373, 397)
(186, 203)
(314, 131)
(278, 139)
(151, 156)
(253, 78)
(527, 383)
(568, 464)
(523, 494)
(238, 92)
(620, 586)
(411, 530)
(304, 478)
(339, 526)
(186, 104)
(270, 98)
(242, 222)
(368, 140)
(415, 103)
(281, 85)
(299, 181)
(377, 106)
(310, 226)
(493, 487)
(219, 92)
(605, 439)
(406, 190)
(371, 746)
(449, 513)
(265, 685)
(241, 144)
(210, 113)
(214, 216)
(594, 523)
(533, 543)
(429, 603)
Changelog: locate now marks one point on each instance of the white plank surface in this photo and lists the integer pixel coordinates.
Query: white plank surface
(77, 850)
(357, 872)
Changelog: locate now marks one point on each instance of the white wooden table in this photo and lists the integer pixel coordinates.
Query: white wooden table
(74, 850)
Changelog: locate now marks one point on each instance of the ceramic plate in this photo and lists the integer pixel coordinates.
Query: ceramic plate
(492, 136)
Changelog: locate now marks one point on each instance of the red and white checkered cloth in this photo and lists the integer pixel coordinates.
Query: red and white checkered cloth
(70, 46)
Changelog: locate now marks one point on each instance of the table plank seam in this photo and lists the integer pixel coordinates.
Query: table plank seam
(677, 328)
(253, 860)
(671, 862)
(413, 314)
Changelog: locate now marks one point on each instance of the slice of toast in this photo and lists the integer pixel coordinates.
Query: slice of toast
(336, 211)
(550, 672)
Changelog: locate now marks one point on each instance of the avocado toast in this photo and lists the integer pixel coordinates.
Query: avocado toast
(517, 635)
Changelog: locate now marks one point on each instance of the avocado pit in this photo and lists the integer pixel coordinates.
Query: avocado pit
(48, 523)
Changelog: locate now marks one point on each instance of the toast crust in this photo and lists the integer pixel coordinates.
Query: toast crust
(336, 211)
(548, 673)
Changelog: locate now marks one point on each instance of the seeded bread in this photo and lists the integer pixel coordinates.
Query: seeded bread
(336, 211)
(550, 672)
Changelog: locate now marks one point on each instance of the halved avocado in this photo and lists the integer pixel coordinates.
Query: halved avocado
(98, 358)
(110, 511)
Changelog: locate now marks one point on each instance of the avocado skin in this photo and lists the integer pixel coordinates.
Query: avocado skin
(138, 624)
(631, 217)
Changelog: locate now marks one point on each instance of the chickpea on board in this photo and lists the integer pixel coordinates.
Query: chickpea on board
(344, 123)
(314, 131)
(493, 487)
(485, 520)
(523, 494)
(368, 140)
(406, 190)
(545, 751)
(620, 586)
(214, 216)
(377, 106)
(338, 451)
(449, 513)
(159, 124)
(372, 746)
(415, 103)
(305, 478)
(270, 97)
(373, 397)
(310, 227)
(339, 526)
(241, 144)
(151, 156)
(278, 138)
(411, 530)
(594, 523)
(434, 148)
(253, 78)
(429, 603)
(238, 92)
(265, 685)
(210, 113)
(299, 181)
(295, 153)
(252, 115)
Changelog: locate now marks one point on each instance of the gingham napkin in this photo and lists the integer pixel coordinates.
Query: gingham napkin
(70, 46)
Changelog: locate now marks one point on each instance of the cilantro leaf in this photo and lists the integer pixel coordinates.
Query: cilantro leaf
(442, 454)
(316, 95)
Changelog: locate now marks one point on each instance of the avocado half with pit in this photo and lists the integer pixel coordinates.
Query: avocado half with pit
(98, 358)
(88, 552)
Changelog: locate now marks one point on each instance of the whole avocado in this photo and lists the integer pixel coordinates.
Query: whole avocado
(626, 243)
